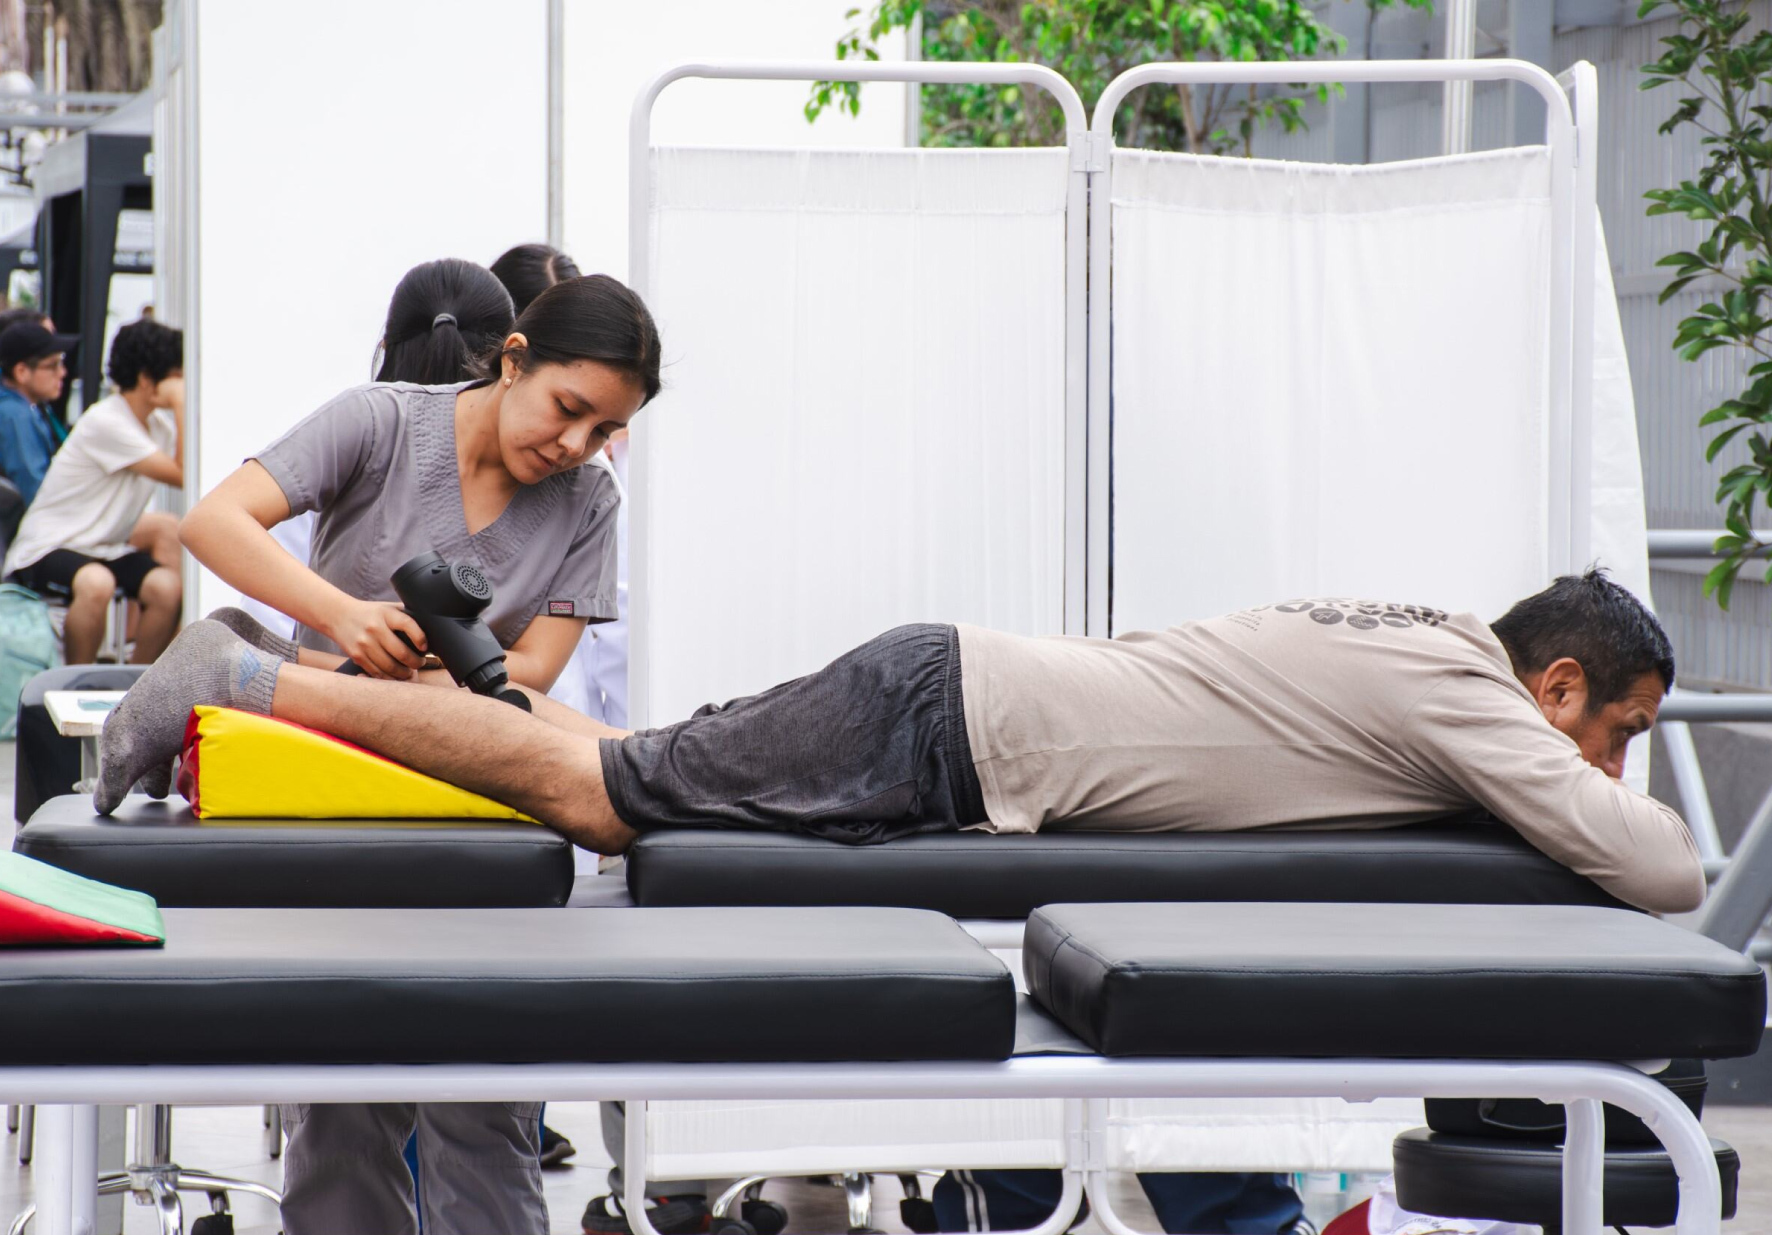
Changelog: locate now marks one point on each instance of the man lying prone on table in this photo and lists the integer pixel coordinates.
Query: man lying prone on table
(1311, 713)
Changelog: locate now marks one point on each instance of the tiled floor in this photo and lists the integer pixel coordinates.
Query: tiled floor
(230, 1141)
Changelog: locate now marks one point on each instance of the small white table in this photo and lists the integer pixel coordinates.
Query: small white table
(81, 714)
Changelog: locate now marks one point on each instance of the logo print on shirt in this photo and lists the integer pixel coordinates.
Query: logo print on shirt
(1360, 614)
(560, 608)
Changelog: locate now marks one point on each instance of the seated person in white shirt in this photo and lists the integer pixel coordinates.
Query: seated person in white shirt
(75, 541)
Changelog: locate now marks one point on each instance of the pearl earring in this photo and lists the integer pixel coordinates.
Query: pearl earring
(507, 381)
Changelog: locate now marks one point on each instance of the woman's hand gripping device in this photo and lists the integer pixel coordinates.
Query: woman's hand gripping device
(446, 601)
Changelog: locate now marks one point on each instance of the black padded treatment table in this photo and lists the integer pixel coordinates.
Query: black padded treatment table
(162, 849)
(980, 876)
(1152, 1000)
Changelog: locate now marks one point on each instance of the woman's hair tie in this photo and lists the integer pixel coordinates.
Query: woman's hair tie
(441, 318)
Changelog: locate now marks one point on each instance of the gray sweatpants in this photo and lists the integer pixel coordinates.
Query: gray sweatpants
(479, 1163)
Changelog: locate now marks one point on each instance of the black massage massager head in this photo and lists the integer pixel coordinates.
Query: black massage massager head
(446, 600)
(430, 584)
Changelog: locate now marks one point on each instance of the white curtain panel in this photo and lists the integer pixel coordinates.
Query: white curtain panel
(863, 422)
(1329, 381)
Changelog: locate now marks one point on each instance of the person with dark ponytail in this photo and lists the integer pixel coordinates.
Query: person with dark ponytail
(594, 680)
(528, 270)
(489, 469)
(444, 317)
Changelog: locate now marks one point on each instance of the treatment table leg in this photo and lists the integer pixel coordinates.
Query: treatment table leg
(1584, 1164)
(67, 1170)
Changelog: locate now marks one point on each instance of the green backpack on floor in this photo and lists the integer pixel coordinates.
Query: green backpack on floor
(27, 647)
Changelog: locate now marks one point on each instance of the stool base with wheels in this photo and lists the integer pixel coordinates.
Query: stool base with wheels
(157, 1181)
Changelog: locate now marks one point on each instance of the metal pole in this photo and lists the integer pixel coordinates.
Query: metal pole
(913, 93)
(1666, 543)
(1584, 1164)
(53, 1169)
(1582, 83)
(1682, 758)
(1455, 109)
(1738, 905)
(1531, 30)
(83, 1170)
(556, 123)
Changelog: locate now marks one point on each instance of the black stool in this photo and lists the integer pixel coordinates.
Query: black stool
(47, 764)
(1522, 1181)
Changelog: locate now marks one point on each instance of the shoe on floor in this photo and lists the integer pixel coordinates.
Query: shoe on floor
(669, 1215)
(555, 1149)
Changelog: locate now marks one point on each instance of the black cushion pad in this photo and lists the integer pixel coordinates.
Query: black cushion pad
(1512, 1181)
(981, 875)
(1391, 981)
(162, 849)
(514, 985)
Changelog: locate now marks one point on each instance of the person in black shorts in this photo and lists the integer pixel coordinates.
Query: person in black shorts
(79, 540)
(52, 575)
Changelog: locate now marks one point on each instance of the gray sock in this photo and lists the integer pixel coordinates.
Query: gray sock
(250, 629)
(207, 663)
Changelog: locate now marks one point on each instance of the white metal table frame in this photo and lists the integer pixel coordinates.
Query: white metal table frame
(70, 1095)
(1076, 389)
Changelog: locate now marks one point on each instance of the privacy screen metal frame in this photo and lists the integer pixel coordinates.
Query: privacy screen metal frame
(1075, 312)
(1573, 186)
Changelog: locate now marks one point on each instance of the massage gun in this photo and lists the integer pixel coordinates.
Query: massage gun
(446, 601)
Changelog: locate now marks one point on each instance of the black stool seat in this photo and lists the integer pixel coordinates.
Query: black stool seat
(1516, 1181)
(162, 849)
(980, 875)
(1391, 981)
(344, 986)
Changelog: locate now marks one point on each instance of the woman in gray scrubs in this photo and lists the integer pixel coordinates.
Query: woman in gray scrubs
(492, 472)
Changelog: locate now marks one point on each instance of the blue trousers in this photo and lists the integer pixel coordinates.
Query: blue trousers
(1201, 1203)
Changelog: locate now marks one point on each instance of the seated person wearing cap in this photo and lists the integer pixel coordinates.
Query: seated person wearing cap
(31, 376)
(1309, 713)
(74, 542)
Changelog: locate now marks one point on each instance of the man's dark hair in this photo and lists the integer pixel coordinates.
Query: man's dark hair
(147, 347)
(1599, 625)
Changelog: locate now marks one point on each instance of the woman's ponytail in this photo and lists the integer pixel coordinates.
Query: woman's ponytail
(443, 317)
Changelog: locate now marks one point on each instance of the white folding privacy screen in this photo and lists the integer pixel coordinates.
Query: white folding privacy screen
(886, 400)
(866, 418)
(1342, 371)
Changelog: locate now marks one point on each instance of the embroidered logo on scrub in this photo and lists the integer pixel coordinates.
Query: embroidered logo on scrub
(560, 608)
(1362, 614)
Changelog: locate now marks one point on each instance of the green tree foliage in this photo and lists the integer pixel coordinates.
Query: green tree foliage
(1721, 65)
(1089, 43)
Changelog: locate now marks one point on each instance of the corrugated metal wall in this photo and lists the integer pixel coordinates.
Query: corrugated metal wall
(1732, 648)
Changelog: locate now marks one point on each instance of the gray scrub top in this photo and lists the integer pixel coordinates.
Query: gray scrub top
(379, 465)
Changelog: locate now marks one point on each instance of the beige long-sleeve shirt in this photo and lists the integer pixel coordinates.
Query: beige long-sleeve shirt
(1313, 713)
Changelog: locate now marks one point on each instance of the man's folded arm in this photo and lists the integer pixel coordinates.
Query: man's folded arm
(1509, 760)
